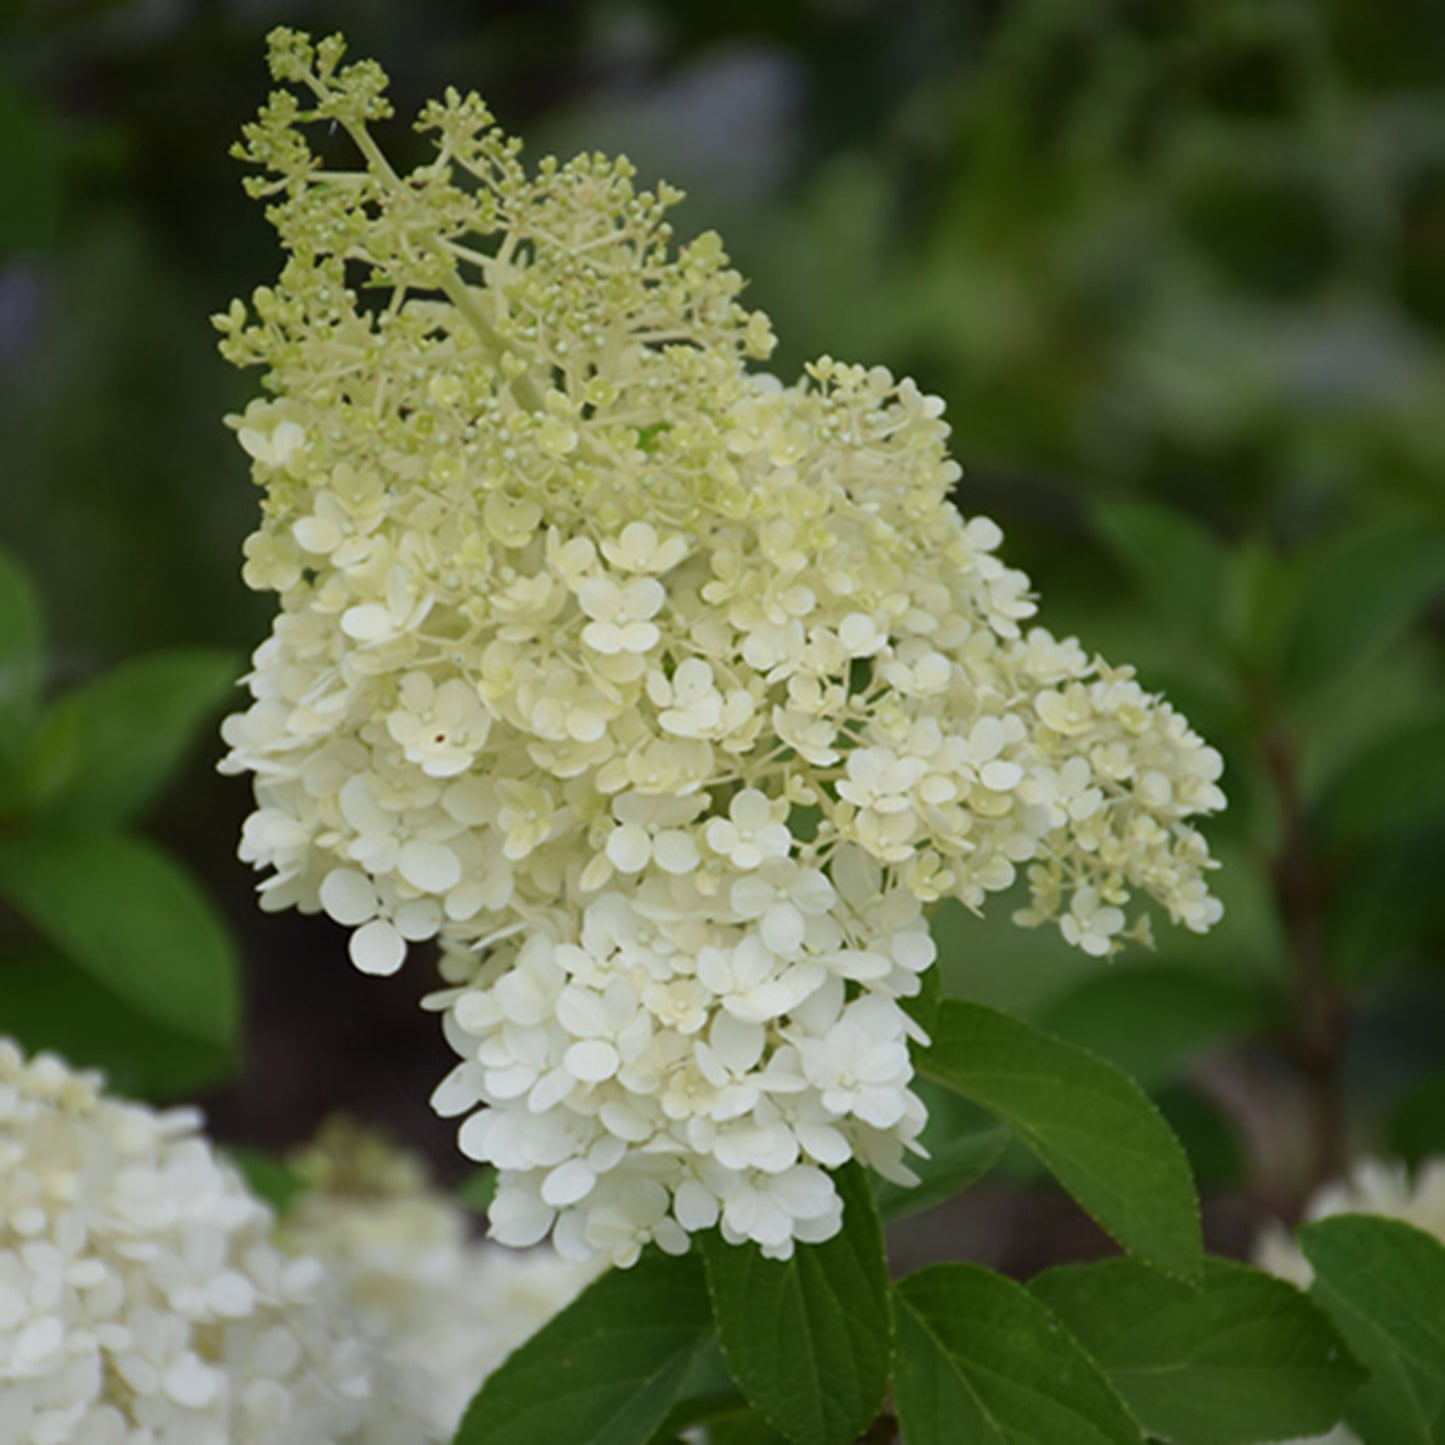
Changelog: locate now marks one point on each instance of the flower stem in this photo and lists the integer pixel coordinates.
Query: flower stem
(1320, 1027)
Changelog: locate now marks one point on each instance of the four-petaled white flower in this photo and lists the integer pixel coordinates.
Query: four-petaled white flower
(621, 613)
(753, 833)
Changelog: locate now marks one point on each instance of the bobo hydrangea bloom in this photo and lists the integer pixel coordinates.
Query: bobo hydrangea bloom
(449, 1307)
(141, 1300)
(664, 695)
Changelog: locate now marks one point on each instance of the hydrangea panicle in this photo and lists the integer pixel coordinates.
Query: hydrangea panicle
(449, 1307)
(142, 1300)
(665, 695)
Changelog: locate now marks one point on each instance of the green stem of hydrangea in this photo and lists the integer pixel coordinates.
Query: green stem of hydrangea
(451, 283)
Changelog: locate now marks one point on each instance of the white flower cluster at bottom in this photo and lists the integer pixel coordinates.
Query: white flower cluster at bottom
(142, 1301)
(450, 1308)
(661, 1070)
(1372, 1187)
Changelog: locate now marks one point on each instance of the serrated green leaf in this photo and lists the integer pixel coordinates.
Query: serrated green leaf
(1091, 1126)
(131, 917)
(1239, 1357)
(979, 1359)
(1359, 593)
(123, 738)
(605, 1371)
(1178, 564)
(1209, 1137)
(1383, 1283)
(741, 1427)
(1150, 1019)
(21, 644)
(963, 1144)
(1397, 783)
(808, 1339)
(46, 1002)
(706, 1394)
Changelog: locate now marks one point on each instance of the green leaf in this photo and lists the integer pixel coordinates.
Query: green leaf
(477, 1189)
(1209, 1137)
(1240, 1357)
(808, 1338)
(132, 918)
(922, 1008)
(1417, 1130)
(605, 1371)
(21, 638)
(1358, 594)
(1397, 783)
(741, 1427)
(1150, 1019)
(1178, 564)
(1091, 1126)
(268, 1177)
(980, 1360)
(1259, 597)
(963, 1144)
(1383, 905)
(1383, 1283)
(30, 170)
(48, 1003)
(125, 736)
(706, 1393)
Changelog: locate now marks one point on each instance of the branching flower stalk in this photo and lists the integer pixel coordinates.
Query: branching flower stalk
(666, 696)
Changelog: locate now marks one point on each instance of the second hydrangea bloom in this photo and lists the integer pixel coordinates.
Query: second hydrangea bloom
(666, 696)
(142, 1299)
(447, 1308)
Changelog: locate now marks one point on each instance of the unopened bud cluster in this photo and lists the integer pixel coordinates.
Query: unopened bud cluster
(667, 697)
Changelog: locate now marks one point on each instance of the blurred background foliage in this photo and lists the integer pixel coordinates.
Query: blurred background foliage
(1176, 266)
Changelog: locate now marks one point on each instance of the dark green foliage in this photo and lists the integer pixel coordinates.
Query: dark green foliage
(1091, 1126)
(1383, 1283)
(980, 1360)
(607, 1370)
(809, 1340)
(1238, 1357)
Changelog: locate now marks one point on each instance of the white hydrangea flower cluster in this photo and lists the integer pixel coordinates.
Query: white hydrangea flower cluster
(665, 695)
(1371, 1187)
(449, 1307)
(141, 1299)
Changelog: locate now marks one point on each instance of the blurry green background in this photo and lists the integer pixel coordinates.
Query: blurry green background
(1178, 270)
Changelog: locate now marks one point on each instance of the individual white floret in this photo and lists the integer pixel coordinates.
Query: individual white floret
(753, 833)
